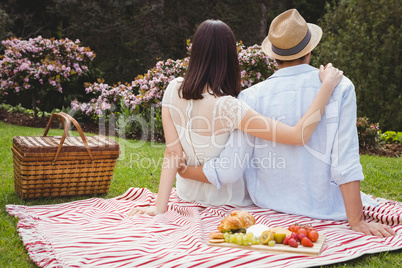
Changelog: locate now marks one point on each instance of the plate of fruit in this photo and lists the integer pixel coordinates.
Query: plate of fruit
(239, 230)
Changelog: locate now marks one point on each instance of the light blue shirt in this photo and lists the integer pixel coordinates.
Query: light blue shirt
(302, 180)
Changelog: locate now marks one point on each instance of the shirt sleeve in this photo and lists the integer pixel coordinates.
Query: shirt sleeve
(235, 157)
(231, 112)
(232, 161)
(345, 159)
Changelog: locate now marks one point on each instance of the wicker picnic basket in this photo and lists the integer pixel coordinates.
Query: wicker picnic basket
(52, 166)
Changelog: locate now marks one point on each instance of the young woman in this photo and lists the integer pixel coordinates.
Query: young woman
(200, 111)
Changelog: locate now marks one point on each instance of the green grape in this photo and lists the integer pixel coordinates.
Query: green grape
(239, 239)
(250, 235)
(233, 238)
(245, 238)
(226, 235)
(271, 243)
(254, 240)
(258, 241)
(246, 243)
(227, 239)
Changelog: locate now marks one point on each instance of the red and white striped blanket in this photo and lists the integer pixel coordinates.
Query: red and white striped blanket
(98, 233)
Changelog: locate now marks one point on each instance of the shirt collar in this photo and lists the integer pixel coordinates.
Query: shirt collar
(294, 70)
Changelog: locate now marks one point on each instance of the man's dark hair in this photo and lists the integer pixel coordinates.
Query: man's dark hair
(283, 61)
(213, 62)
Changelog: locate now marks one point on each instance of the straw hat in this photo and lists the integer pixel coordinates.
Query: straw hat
(290, 36)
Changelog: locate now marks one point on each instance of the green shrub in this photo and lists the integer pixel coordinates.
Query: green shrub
(143, 125)
(19, 109)
(391, 137)
(363, 38)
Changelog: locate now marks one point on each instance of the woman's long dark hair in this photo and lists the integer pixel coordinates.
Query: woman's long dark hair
(213, 62)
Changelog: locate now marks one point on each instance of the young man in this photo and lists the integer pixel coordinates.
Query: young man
(320, 180)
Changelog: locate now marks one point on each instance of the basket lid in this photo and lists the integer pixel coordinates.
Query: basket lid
(49, 144)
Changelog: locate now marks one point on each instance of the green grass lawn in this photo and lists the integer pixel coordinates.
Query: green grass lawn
(139, 165)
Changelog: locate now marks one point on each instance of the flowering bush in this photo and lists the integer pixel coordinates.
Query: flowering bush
(148, 89)
(144, 91)
(255, 64)
(369, 133)
(40, 64)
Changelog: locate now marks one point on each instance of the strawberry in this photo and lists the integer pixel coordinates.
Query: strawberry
(307, 242)
(294, 236)
(286, 240)
(293, 243)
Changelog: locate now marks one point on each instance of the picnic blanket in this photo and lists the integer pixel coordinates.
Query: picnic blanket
(98, 233)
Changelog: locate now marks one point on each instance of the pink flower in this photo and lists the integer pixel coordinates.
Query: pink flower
(24, 66)
(75, 105)
(83, 107)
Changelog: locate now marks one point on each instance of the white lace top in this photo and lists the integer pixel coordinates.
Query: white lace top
(203, 127)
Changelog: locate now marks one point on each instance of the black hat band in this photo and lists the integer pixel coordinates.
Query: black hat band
(294, 50)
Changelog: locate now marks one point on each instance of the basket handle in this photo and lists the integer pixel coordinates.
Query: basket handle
(65, 120)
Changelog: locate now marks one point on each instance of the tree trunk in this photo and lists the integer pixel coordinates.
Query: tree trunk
(263, 21)
(154, 24)
(34, 103)
(153, 27)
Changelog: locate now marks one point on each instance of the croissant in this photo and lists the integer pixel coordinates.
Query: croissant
(237, 220)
